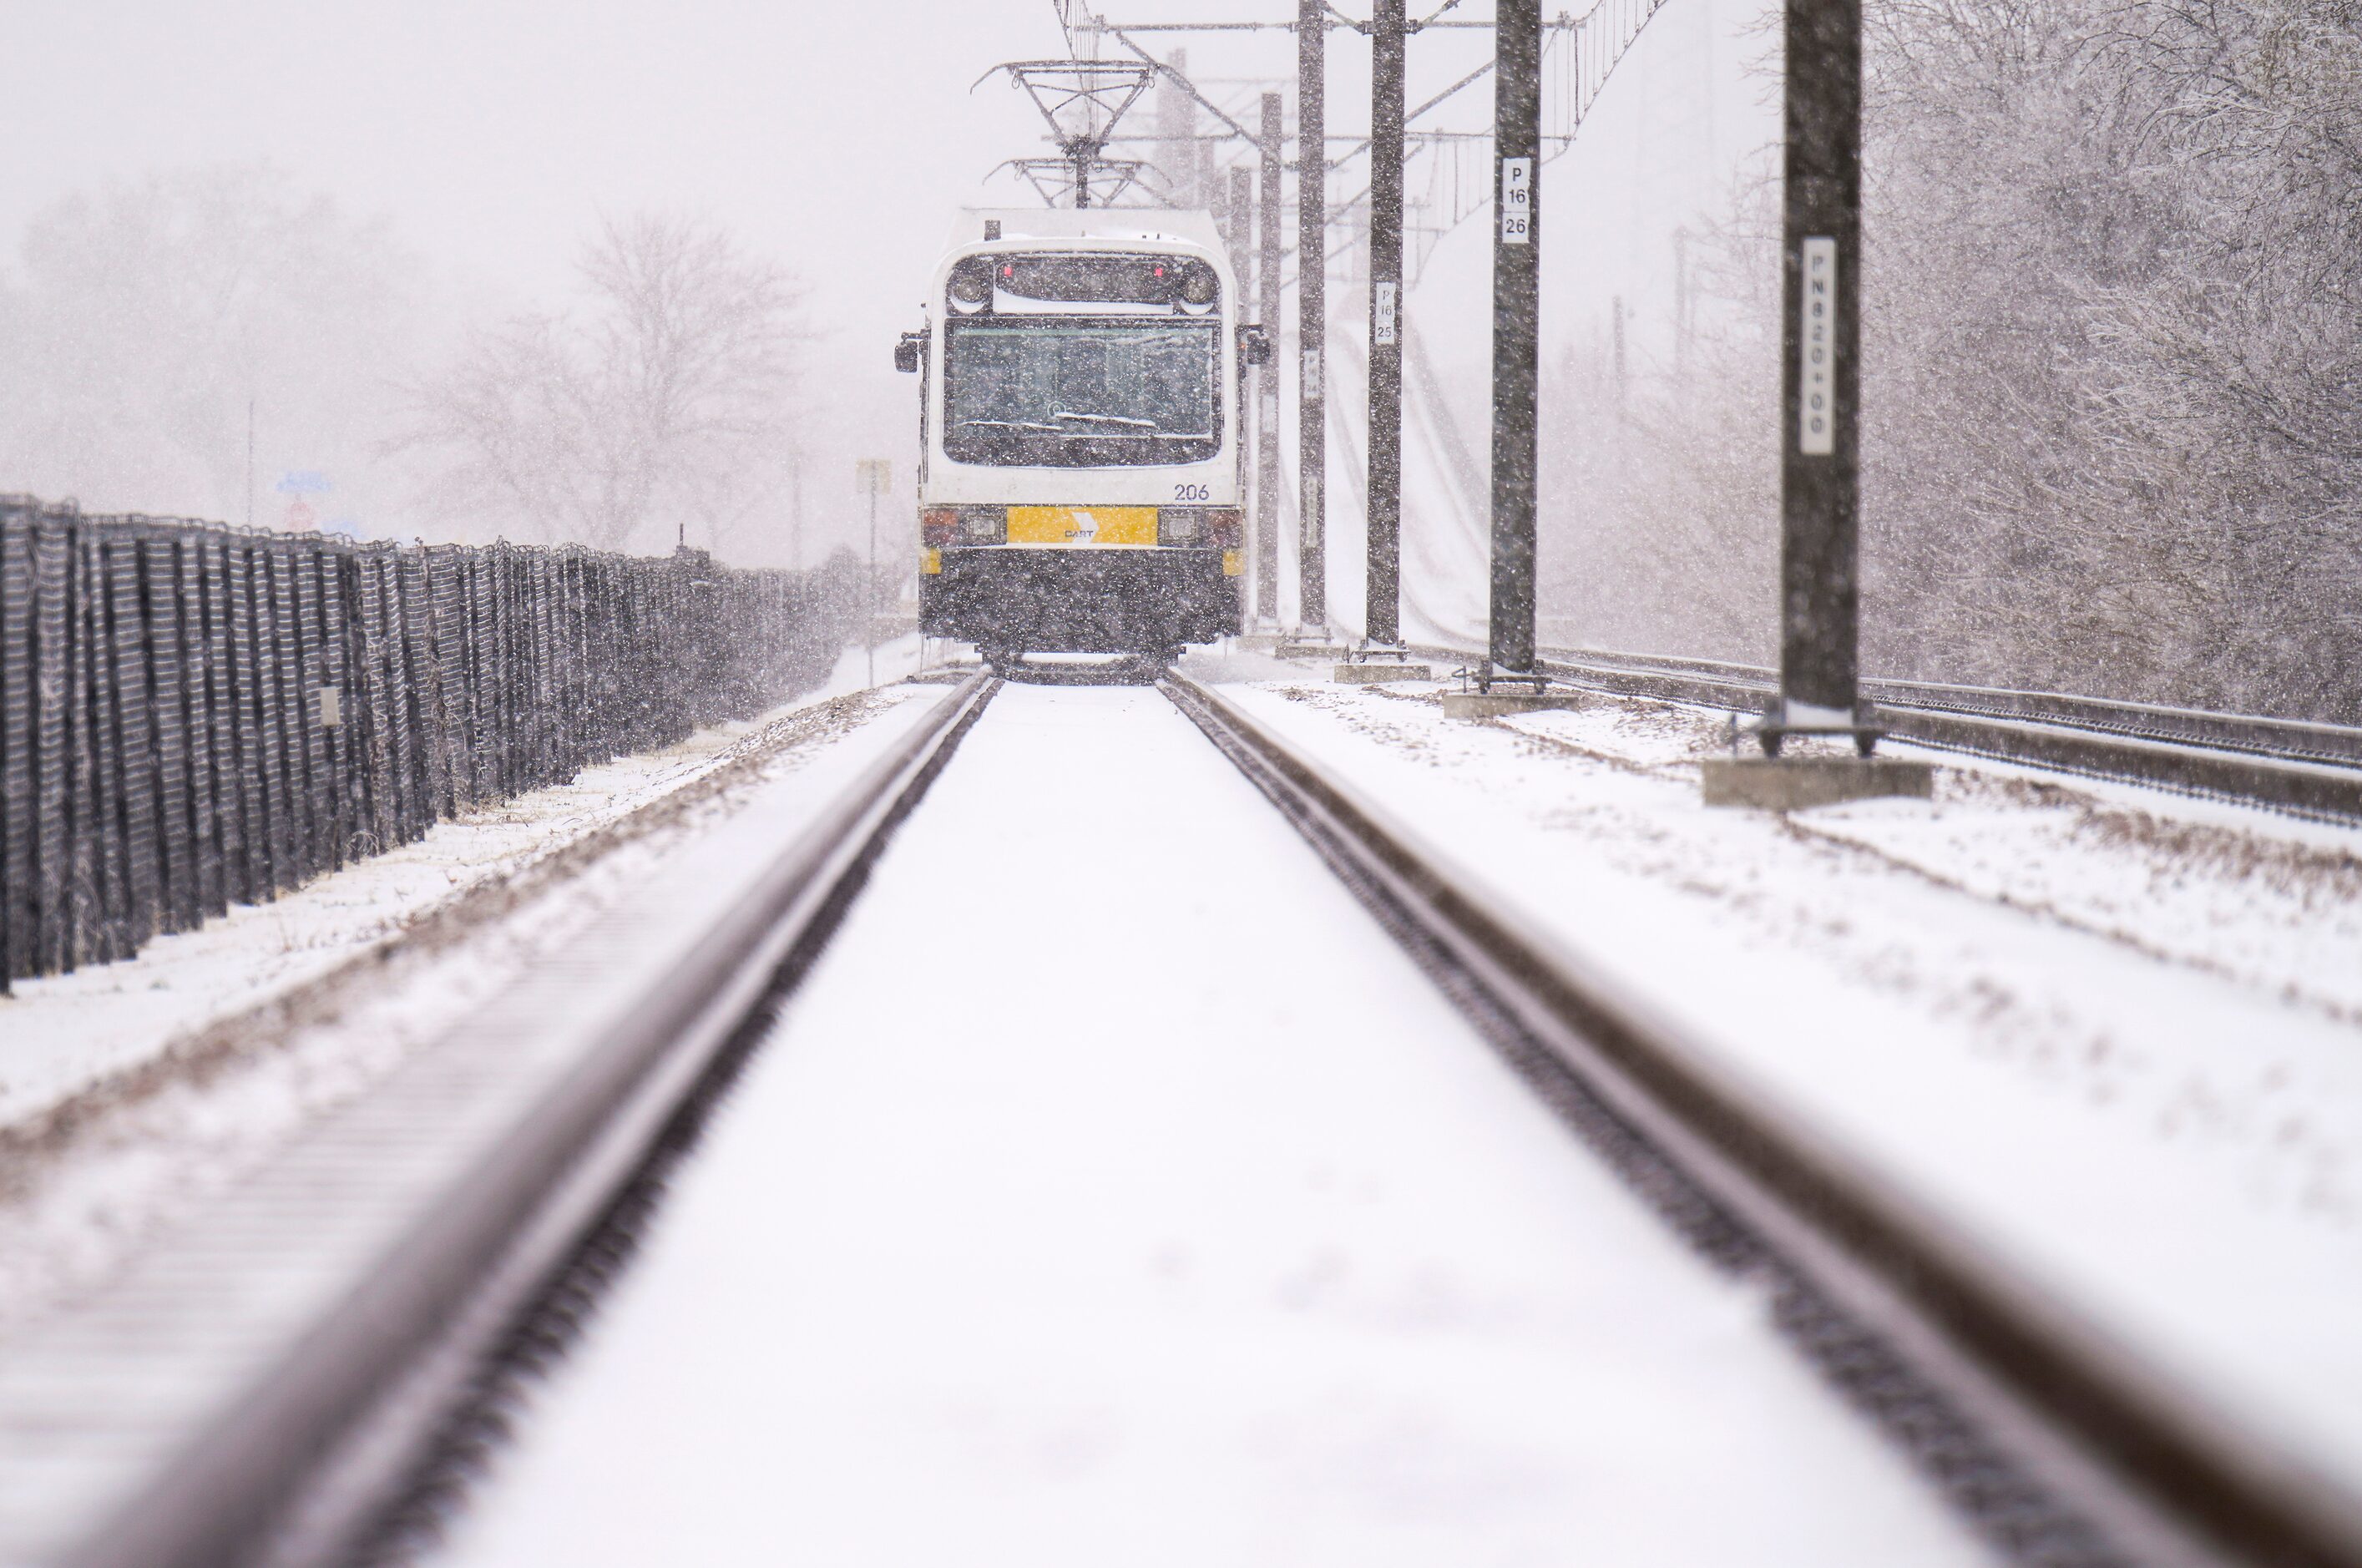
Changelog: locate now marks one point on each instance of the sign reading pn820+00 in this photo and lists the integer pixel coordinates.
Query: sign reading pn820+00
(1817, 346)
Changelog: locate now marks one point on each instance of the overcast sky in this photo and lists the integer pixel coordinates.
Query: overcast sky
(839, 136)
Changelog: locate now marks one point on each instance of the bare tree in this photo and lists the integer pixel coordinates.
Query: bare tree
(669, 405)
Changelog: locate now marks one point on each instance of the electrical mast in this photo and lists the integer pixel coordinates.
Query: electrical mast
(1382, 615)
(1311, 308)
(1820, 381)
(1270, 134)
(1516, 324)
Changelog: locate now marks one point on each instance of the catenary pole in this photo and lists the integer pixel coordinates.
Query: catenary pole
(1272, 197)
(1383, 581)
(1517, 322)
(1820, 381)
(1241, 241)
(1238, 228)
(1311, 306)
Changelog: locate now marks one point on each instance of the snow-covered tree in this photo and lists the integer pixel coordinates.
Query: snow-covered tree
(2111, 366)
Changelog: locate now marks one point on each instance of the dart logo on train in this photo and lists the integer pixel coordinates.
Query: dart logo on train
(1080, 469)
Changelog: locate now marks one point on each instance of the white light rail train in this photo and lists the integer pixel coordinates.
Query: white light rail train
(1081, 465)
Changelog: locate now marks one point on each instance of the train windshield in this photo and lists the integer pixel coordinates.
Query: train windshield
(1082, 394)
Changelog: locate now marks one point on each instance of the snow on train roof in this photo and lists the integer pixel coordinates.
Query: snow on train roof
(1186, 226)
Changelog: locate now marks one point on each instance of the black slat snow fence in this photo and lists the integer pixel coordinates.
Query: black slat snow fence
(193, 716)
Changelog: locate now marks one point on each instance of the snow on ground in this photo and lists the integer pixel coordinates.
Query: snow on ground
(133, 1090)
(2116, 1033)
(1114, 1191)
(61, 1032)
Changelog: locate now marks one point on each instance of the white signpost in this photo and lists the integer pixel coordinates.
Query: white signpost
(1517, 200)
(873, 477)
(1816, 346)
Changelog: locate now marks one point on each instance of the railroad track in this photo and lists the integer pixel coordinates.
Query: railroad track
(368, 1277)
(248, 1392)
(2308, 769)
(2046, 1433)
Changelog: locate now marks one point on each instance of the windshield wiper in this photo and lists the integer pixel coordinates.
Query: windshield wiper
(1012, 424)
(1105, 419)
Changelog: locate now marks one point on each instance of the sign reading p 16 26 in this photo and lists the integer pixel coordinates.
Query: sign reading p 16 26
(1517, 200)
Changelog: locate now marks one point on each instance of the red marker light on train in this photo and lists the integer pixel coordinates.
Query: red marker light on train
(1199, 527)
(939, 525)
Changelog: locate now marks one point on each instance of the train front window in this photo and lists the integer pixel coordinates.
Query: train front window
(1082, 394)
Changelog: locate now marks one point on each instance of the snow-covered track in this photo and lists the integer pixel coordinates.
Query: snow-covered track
(2055, 1441)
(2309, 769)
(249, 1391)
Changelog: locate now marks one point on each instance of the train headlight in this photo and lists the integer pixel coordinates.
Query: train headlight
(971, 286)
(1199, 285)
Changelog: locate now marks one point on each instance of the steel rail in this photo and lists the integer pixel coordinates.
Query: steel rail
(294, 1466)
(2304, 769)
(2162, 1477)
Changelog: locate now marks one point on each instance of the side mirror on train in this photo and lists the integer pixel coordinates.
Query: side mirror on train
(906, 350)
(1254, 346)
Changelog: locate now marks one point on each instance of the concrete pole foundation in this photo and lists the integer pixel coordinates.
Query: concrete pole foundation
(1374, 673)
(1797, 783)
(1501, 701)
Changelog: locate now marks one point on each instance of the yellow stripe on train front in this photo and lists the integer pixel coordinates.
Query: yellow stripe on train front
(1082, 525)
